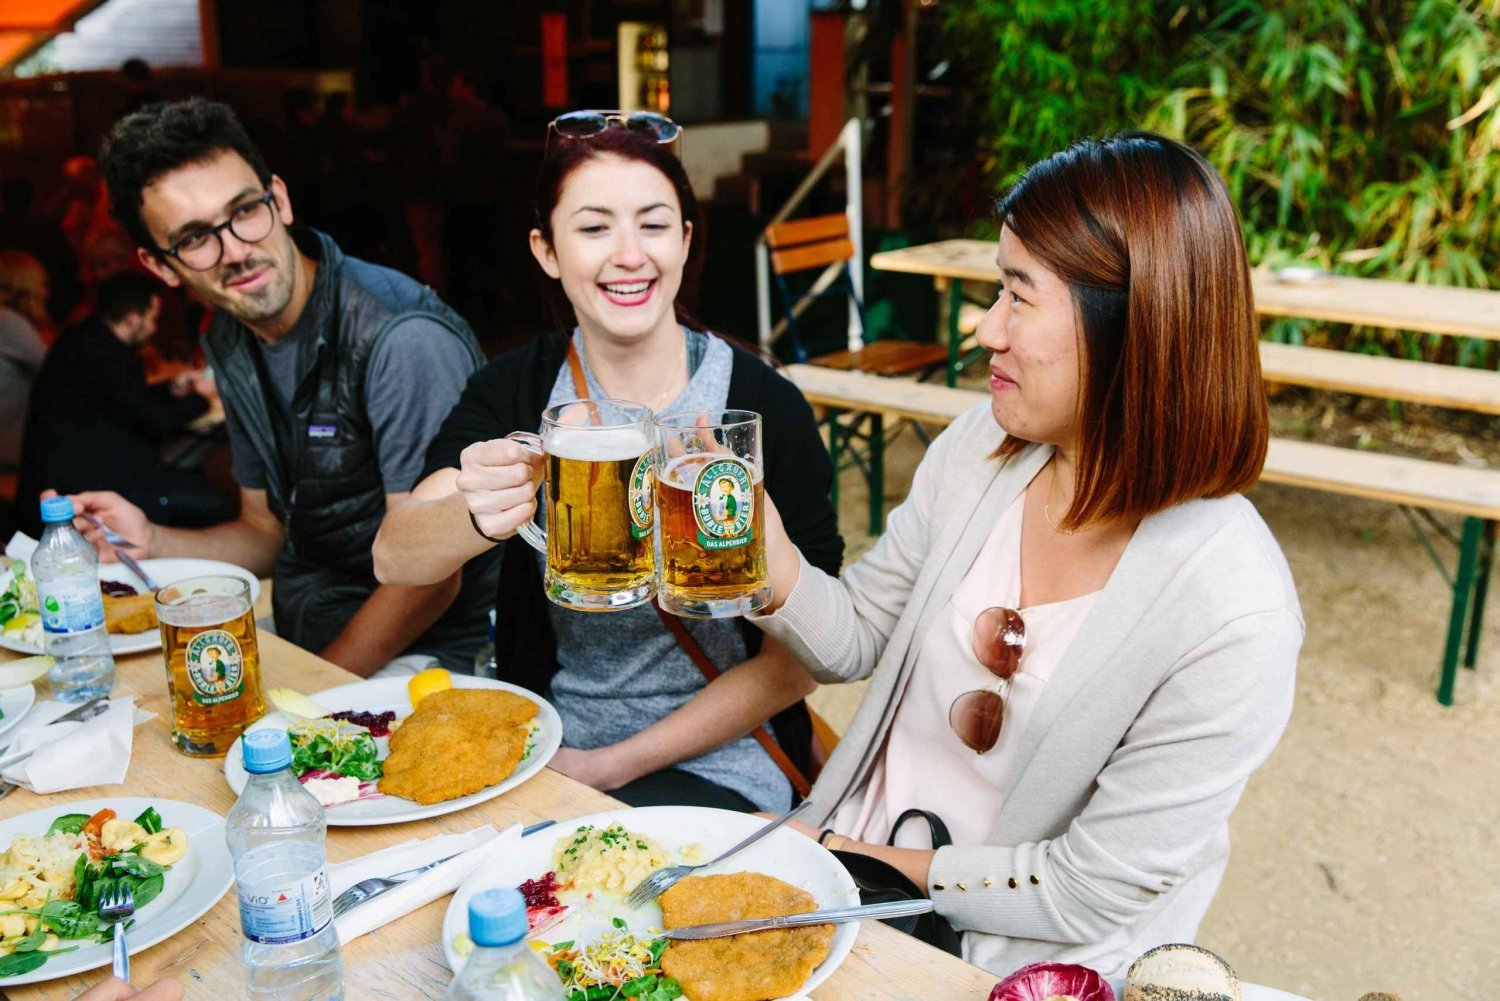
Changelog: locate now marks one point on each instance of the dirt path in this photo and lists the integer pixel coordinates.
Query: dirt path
(1367, 850)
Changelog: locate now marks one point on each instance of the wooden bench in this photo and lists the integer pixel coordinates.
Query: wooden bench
(1421, 484)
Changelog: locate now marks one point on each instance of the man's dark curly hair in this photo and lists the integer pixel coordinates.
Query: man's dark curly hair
(159, 139)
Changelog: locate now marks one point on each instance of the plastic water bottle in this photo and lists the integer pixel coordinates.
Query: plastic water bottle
(502, 966)
(276, 833)
(484, 661)
(66, 569)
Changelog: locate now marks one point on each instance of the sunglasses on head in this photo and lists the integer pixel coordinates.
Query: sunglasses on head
(998, 640)
(587, 124)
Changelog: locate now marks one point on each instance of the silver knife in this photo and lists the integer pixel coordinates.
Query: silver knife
(832, 916)
(137, 569)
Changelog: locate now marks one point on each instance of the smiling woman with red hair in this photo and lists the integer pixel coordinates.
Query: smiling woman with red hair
(1081, 640)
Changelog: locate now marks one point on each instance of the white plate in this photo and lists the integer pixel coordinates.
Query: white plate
(385, 694)
(784, 854)
(192, 886)
(165, 572)
(15, 703)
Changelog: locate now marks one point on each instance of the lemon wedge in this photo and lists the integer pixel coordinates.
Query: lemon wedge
(294, 704)
(22, 622)
(15, 673)
(434, 679)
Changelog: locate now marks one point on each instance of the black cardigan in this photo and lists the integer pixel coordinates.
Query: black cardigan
(510, 393)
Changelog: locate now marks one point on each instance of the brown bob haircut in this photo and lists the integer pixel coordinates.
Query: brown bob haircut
(1171, 403)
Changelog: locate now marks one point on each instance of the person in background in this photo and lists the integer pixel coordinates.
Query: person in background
(96, 424)
(1081, 639)
(22, 227)
(334, 374)
(23, 318)
(97, 238)
(137, 84)
(616, 227)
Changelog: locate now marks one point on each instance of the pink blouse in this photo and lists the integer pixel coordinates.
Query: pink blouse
(924, 764)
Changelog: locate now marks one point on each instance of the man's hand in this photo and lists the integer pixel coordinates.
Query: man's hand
(116, 512)
(498, 480)
(118, 990)
(599, 769)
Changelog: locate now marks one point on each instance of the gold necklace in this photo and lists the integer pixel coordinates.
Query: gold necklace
(679, 367)
(1047, 507)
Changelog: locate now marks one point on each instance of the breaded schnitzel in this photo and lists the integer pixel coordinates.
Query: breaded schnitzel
(455, 743)
(754, 967)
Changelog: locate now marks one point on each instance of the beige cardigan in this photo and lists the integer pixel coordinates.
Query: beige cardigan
(1177, 686)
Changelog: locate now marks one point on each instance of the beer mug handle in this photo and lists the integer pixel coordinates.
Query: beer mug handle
(528, 530)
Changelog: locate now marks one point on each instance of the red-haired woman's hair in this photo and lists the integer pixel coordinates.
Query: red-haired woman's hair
(1171, 403)
(567, 155)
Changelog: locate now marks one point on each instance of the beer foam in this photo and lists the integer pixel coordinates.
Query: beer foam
(598, 444)
(202, 610)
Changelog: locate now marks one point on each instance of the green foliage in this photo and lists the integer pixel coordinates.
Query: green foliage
(1360, 135)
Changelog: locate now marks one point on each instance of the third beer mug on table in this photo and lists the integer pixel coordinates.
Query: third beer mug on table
(710, 495)
(213, 663)
(598, 513)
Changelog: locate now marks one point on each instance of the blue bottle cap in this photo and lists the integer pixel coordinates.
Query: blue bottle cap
(497, 917)
(266, 751)
(56, 509)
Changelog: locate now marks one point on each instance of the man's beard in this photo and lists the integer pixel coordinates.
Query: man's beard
(262, 303)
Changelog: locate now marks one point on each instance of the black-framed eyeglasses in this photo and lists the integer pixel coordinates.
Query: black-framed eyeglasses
(202, 249)
(587, 124)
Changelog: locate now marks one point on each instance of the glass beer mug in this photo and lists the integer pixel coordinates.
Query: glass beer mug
(710, 498)
(598, 513)
(213, 662)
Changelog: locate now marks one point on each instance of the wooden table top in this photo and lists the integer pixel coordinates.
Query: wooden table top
(1436, 309)
(404, 959)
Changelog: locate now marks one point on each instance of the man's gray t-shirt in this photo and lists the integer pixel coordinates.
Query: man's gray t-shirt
(616, 681)
(417, 372)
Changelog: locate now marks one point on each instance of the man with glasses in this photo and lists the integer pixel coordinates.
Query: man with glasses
(334, 374)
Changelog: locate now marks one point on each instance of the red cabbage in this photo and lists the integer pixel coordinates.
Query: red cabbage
(1049, 981)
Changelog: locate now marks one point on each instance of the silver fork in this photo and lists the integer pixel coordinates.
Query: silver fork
(110, 535)
(115, 908)
(365, 889)
(662, 879)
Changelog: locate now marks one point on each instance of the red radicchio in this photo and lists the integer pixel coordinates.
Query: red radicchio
(1053, 982)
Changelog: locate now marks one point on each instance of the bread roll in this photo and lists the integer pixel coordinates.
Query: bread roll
(1181, 973)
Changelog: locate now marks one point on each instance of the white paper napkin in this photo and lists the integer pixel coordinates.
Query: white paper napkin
(476, 847)
(20, 547)
(72, 755)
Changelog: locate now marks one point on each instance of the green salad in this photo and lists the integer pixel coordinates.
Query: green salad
(51, 884)
(328, 745)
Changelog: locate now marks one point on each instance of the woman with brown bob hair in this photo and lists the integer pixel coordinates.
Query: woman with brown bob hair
(1080, 639)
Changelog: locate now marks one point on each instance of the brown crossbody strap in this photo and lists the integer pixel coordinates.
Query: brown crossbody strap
(685, 639)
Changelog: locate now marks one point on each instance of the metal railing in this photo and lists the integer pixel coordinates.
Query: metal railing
(850, 145)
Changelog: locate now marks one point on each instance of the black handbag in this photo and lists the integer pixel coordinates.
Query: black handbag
(879, 882)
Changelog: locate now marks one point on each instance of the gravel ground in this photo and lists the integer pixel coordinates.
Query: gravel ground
(1366, 854)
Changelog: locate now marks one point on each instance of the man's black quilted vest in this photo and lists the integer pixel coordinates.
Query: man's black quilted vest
(322, 478)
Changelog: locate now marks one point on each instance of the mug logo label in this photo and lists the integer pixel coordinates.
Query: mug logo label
(642, 515)
(215, 667)
(724, 504)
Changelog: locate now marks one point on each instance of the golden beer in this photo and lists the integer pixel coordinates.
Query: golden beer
(213, 664)
(711, 508)
(599, 515)
(596, 461)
